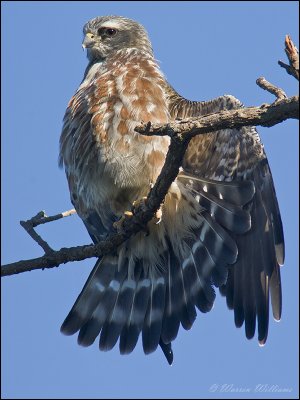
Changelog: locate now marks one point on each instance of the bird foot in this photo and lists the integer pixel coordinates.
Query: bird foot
(119, 225)
(137, 205)
(140, 205)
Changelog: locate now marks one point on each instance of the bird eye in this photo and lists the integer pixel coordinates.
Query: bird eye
(107, 31)
(111, 32)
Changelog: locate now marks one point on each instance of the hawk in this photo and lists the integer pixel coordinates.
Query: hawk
(220, 224)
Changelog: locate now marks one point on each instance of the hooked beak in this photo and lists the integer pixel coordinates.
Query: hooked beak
(88, 41)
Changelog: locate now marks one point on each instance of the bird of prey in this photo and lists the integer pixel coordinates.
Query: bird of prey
(220, 224)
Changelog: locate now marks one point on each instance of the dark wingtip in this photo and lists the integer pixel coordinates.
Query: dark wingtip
(69, 326)
(167, 350)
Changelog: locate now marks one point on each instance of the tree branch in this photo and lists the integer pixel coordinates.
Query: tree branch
(42, 218)
(265, 115)
(181, 132)
(264, 84)
(130, 226)
(293, 55)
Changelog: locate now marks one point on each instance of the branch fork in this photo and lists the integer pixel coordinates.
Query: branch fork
(181, 132)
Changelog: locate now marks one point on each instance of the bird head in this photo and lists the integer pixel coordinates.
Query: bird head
(103, 36)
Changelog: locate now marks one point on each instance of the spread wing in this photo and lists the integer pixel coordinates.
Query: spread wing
(234, 155)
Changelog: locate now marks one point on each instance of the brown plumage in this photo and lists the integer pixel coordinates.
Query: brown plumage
(220, 223)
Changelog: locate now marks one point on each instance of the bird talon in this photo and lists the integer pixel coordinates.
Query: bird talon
(139, 205)
(119, 225)
(158, 216)
(128, 214)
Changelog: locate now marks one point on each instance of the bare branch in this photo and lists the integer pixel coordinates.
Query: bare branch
(42, 218)
(132, 225)
(28, 226)
(265, 115)
(264, 84)
(181, 133)
(62, 256)
(293, 56)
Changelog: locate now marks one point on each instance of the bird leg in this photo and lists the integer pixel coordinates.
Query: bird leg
(119, 225)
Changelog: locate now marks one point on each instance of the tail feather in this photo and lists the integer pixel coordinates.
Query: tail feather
(167, 350)
(188, 313)
(90, 330)
(121, 300)
(171, 320)
(90, 296)
(118, 317)
(178, 303)
(130, 332)
(153, 320)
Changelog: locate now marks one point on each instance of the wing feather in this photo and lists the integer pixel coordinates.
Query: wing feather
(229, 172)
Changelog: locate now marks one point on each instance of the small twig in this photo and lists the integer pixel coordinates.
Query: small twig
(293, 56)
(42, 218)
(28, 226)
(264, 84)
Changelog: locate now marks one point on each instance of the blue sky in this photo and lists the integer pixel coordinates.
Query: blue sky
(206, 49)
